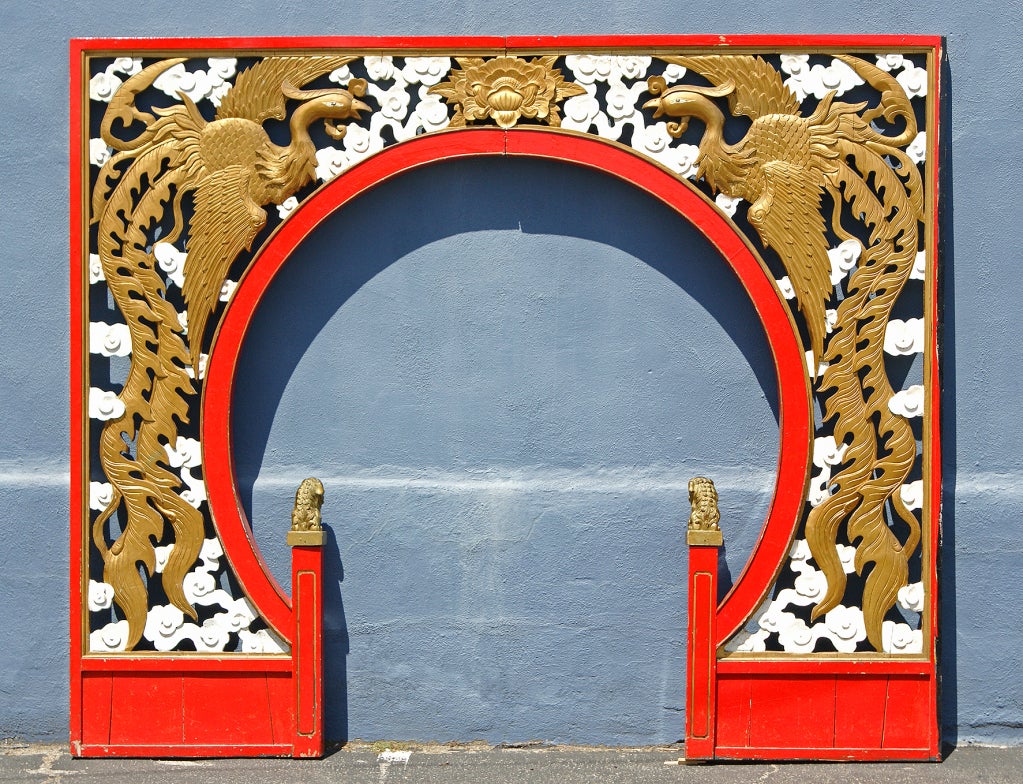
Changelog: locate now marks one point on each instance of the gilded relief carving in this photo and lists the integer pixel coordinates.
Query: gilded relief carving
(703, 528)
(784, 166)
(231, 169)
(820, 179)
(306, 524)
(506, 89)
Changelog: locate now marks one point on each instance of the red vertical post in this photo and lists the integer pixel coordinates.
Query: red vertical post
(307, 651)
(701, 660)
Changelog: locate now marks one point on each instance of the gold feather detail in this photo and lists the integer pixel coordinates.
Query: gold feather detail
(232, 170)
(783, 166)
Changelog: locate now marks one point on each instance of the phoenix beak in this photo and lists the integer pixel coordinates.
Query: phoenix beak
(655, 103)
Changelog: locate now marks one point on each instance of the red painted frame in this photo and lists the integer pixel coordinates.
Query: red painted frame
(615, 161)
(753, 706)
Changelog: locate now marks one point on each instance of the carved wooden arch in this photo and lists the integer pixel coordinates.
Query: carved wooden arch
(795, 415)
(766, 678)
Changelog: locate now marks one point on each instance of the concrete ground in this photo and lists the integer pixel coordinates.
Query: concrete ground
(483, 764)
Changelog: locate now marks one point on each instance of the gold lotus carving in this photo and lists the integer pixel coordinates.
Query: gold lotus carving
(506, 89)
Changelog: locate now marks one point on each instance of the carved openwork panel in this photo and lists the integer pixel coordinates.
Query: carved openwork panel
(819, 155)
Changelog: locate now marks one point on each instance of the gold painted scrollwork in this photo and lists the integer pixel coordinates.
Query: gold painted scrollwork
(232, 171)
(783, 166)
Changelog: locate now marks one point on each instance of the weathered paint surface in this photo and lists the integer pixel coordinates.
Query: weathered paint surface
(527, 657)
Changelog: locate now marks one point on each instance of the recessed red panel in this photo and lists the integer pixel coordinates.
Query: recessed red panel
(792, 712)
(140, 724)
(281, 698)
(859, 712)
(232, 710)
(909, 714)
(96, 708)
(733, 711)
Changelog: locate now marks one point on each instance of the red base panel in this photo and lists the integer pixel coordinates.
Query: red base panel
(181, 752)
(788, 708)
(205, 706)
(173, 714)
(747, 753)
(834, 716)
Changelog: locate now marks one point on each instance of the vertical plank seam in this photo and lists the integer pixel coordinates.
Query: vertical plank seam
(752, 681)
(269, 708)
(181, 702)
(834, 711)
(884, 717)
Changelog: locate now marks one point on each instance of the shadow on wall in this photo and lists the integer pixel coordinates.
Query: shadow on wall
(530, 362)
(335, 639)
(948, 701)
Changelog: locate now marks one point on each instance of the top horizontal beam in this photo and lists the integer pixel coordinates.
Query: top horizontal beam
(517, 43)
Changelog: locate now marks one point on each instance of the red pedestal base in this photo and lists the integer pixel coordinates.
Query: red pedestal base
(212, 706)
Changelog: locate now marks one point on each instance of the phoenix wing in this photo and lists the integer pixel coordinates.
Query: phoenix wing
(225, 223)
(258, 92)
(788, 218)
(759, 90)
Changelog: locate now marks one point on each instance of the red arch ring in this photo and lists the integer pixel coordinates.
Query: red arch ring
(793, 388)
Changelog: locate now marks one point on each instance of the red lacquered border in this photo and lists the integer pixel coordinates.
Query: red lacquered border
(830, 754)
(784, 664)
(79, 387)
(188, 663)
(915, 674)
(523, 43)
(198, 751)
(932, 514)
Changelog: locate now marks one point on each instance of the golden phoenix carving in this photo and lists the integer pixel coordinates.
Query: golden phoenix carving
(232, 170)
(506, 89)
(783, 167)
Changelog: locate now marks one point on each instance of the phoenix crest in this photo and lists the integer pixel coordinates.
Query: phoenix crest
(784, 166)
(231, 170)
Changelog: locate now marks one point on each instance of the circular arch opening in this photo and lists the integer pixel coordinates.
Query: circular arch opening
(787, 356)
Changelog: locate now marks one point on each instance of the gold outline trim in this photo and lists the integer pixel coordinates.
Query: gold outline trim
(930, 517)
(85, 521)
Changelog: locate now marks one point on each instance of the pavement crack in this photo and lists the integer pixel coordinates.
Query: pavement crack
(46, 767)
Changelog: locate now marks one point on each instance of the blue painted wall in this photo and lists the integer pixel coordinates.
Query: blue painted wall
(508, 504)
(505, 373)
